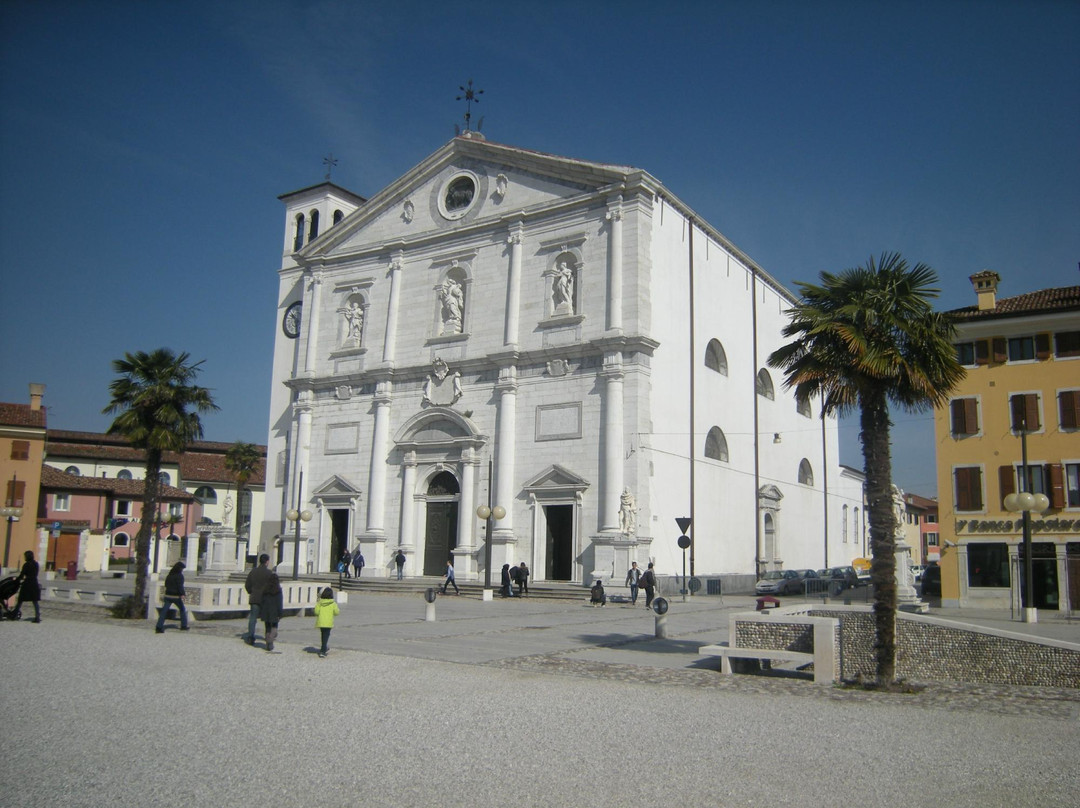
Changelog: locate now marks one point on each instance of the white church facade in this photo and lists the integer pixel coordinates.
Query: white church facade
(562, 339)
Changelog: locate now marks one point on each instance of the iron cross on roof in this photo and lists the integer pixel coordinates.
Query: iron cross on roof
(329, 161)
(469, 97)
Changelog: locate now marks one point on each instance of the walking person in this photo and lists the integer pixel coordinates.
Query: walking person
(254, 586)
(345, 562)
(450, 578)
(357, 561)
(399, 559)
(633, 580)
(174, 596)
(273, 603)
(648, 580)
(30, 588)
(325, 611)
(523, 579)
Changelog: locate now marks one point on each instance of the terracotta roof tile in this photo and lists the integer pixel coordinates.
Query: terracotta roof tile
(54, 479)
(1044, 301)
(21, 415)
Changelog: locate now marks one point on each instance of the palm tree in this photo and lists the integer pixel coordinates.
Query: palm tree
(864, 338)
(242, 459)
(157, 409)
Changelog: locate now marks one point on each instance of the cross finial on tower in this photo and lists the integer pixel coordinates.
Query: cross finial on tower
(469, 96)
(329, 162)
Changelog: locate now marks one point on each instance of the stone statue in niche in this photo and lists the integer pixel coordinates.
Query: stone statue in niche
(500, 186)
(442, 389)
(558, 367)
(562, 289)
(452, 298)
(354, 322)
(408, 211)
(627, 513)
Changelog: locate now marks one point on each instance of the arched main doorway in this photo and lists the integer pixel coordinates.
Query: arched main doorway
(440, 533)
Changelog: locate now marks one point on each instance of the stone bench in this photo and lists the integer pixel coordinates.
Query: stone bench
(206, 599)
(726, 653)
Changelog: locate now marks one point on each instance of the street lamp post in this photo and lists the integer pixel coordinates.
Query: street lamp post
(297, 516)
(11, 514)
(1025, 502)
(489, 513)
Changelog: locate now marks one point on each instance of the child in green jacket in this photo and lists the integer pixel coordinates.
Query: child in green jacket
(325, 610)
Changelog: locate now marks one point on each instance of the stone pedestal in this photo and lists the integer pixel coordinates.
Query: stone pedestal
(906, 596)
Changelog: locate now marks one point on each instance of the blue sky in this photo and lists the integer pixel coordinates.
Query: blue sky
(144, 145)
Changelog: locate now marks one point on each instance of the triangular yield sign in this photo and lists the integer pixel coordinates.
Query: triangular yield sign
(683, 522)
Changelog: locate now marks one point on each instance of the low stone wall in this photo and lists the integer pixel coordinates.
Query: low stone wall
(927, 648)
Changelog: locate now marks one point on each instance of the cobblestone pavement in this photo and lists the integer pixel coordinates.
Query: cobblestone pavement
(622, 659)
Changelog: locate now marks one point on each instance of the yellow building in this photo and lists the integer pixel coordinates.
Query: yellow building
(1022, 356)
(22, 448)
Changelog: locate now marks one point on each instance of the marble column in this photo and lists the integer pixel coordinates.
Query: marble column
(408, 500)
(612, 374)
(615, 265)
(376, 513)
(390, 341)
(465, 552)
(513, 283)
(311, 317)
(506, 449)
(302, 409)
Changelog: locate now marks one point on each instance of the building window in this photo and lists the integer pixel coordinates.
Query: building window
(716, 445)
(123, 474)
(968, 488)
(61, 502)
(715, 357)
(988, 564)
(120, 540)
(965, 416)
(1066, 344)
(176, 509)
(20, 450)
(206, 495)
(965, 353)
(16, 491)
(844, 526)
(931, 539)
(298, 239)
(1025, 412)
(802, 406)
(164, 478)
(313, 229)
(338, 216)
(1021, 349)
(1069, 409)
(1072, 485)
(123, 507)
(806, 473)
(764, 386)
(459, 194)
(72, 470)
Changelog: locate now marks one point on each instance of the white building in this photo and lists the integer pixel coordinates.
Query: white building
(505, 309)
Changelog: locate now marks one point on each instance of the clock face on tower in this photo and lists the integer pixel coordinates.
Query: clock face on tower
(290, 323)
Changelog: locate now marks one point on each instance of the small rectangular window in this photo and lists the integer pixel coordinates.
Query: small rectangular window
(16, 491)
(1069, 409)
(968, 483)
(965, 416)
(123, 507)
(20, 450)
(965, 353)
(62, 502)
(988, 564)
(1021, 349)
(1066, 344)
(1025, 412)
(1072, 484)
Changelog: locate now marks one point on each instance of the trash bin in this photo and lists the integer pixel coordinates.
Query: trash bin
(72, 571)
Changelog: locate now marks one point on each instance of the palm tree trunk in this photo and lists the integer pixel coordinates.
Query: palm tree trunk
(151, 489)
(875, 426)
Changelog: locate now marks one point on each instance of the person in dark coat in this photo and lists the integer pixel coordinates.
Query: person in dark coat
(507, 583)
(399, 559)
(29, 589)
(598, 597)
(523, 579)
(174, 596)
(255, 583)
(345, 562)
(357, 561)
(648, 581)
(273, 603)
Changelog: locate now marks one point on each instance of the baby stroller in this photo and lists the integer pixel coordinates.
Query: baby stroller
(9, 588)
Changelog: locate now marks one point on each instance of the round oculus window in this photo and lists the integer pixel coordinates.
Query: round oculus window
(458, 196)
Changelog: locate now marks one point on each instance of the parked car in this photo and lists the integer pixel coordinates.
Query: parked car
(776, 582)
(917, 571)
(846, 576)
(931, 581)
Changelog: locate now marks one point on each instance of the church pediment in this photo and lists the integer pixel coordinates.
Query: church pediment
(464, 182)
(556, 478)
(336, 487)
(438, 426)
